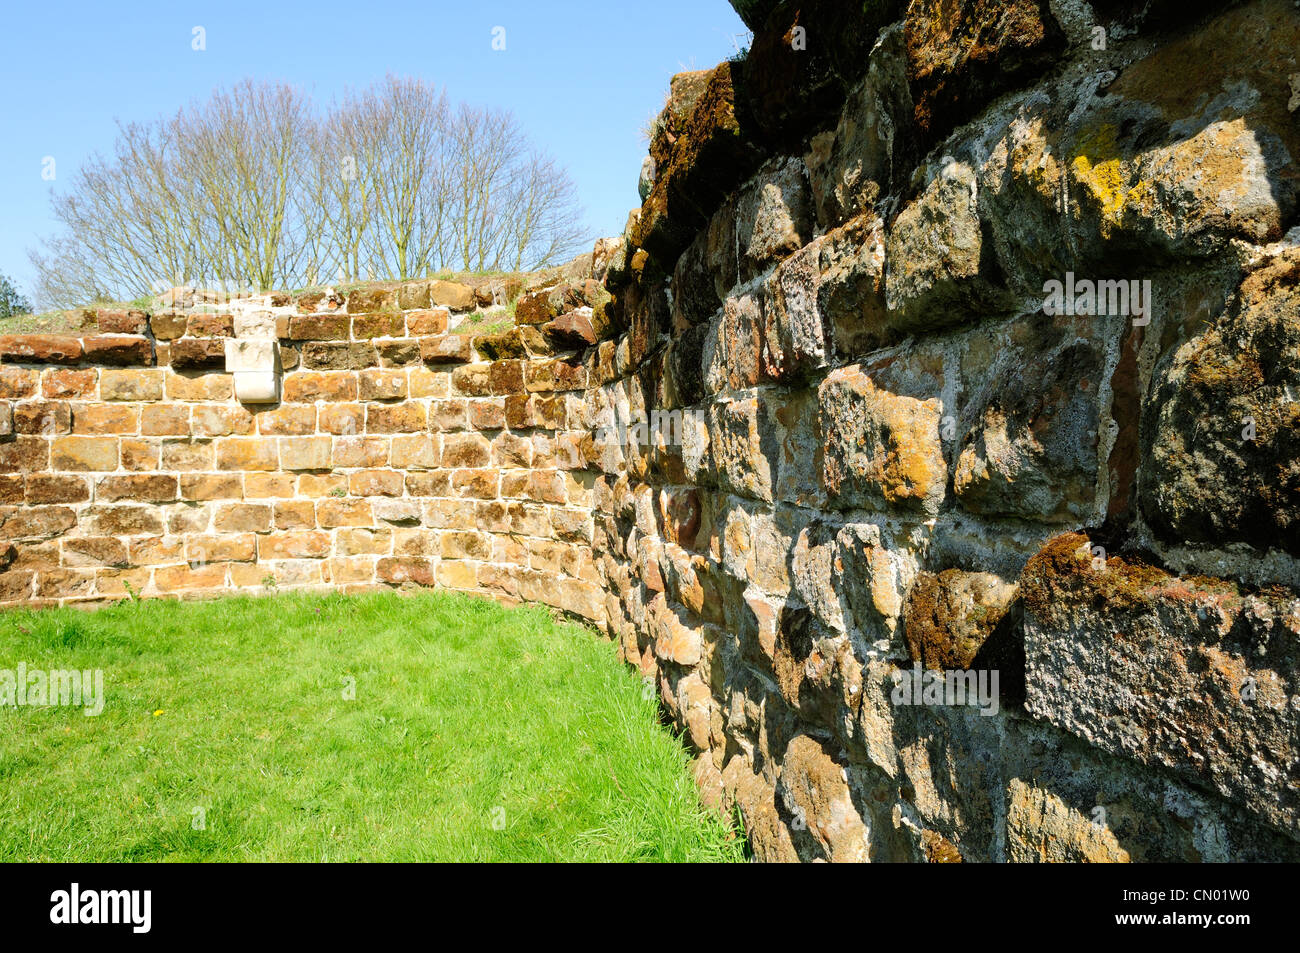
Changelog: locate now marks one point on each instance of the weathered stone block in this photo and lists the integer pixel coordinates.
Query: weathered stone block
(120, 520)
(311, 386)
(733, 352)
(882, 449)
(119, 350)
(396, 570)
(962, 620)
(1032, 450)
(198, 353)
(165, 420)
(375, 298)
(452, 295)
(56, 488)
(742, 447)
(188, 455)
(380, 384)
(331, 513)
(130, 385)
(961, 55)
(84, 453)
(56, 383)
(247, 453)
(36, 522)
(198, 387)
(140, 454)
(396, 418)
(939, 269)
(299, 545)
(710, 157)
(365, 326)
(446, 349)
(344, 419)
(211, 486)
(44, 418)
(206, 326)
(427, 323)
(168, 325)
(774, 216)
(376, 483)
(329, 355)
(242, 518)
(1222, 455)
(94, 551)
(352, 451)
(305, 453)
(216, 420)
(1190, 674)
(142, 488)
(40, 349)
(211, 548)
(121, 322)
(17, 383)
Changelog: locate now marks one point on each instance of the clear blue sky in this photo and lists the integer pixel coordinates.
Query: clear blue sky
(583, 77)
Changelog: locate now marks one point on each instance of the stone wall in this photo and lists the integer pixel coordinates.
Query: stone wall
(821, 420)
(396, 454)
(843, 268)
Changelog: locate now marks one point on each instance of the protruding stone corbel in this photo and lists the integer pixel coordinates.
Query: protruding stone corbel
(255, 364)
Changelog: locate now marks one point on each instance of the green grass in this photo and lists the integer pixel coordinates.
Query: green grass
(488, 322)
(477, 733)
(47, 322)
(70, 321)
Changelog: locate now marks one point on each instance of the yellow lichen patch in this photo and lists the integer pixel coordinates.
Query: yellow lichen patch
(905, 464)
(1099, 167)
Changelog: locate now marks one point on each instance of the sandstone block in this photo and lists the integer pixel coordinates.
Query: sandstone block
(247, 453)
(119, 350)
(84, 453)
(882, 449)
(40, 349)
(305, 453)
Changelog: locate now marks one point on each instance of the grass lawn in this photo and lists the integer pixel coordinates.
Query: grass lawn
(477, 733)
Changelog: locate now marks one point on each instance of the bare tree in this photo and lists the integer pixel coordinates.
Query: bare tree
(255, 188)
(246, 149)
(514, 209)
(398, 128)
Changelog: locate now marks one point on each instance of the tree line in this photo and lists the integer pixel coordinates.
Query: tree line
(257, 188)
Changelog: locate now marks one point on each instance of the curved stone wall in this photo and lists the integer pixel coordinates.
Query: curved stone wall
(929, 439)
(396, 453)
(986, 317)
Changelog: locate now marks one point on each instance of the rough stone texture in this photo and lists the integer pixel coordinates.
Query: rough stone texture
(1192, 674)
(1223, 451)
(962, 53)
(951, 617)
(805, 430)
(804, 58)
(858, 162)
(1031, 451)
(939, 267)
(711, 155)
(882, 449)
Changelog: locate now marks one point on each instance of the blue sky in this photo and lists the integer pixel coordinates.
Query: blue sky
(583, 77)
